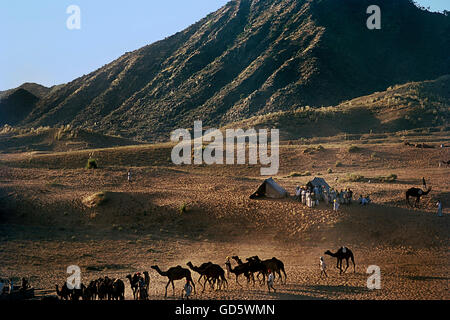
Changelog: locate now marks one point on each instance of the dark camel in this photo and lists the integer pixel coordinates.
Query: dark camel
(134, 283)
(65, 293)
(202, 266)
(175, 273)
(275, 265)
(416, 193)
(341, 255)
(118, 290)
(212, 273)
(238, 270)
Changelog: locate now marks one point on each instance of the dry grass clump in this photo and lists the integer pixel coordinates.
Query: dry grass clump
(96, 199)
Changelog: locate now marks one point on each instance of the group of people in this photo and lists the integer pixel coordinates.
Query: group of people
(311, 196)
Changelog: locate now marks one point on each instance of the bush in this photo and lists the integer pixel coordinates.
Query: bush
(353, 149)
(353, 177)
(91, 164)
(96, 199)
(298, 174)
(329, 170)
(338, 164)
(183, 208)
(390, 178)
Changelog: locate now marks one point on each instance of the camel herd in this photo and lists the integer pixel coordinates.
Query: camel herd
(209, 273)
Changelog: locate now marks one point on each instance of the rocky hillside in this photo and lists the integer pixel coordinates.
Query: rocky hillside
(424, 104)
(250, 58)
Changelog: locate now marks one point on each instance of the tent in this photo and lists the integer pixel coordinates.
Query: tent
(270, 189)
(319, 182)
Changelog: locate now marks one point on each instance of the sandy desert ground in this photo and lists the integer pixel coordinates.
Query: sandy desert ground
(45, 226)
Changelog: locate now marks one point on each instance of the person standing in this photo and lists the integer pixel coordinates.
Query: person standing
(298, 193)
(187, 290)
(439, 205)
(335, 205)
(323, 268)
(270, 280)
(129, 175)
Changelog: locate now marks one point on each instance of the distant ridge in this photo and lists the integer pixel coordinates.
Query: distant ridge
(251, 58)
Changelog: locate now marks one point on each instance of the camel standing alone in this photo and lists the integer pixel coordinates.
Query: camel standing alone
(416, 193)
(341, 254)
(175, 273)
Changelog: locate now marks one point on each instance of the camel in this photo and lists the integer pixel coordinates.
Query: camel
(65, 293)
(146, 281)
(211, 272)
(245, 266)
(416, 193)
(271, 264)
(175, 273)
(341, 254)
(238, 270)
(118, 290)
(202, 266)
(133, 284)
(70, 294)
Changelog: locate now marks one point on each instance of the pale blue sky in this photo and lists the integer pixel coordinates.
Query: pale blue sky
(36, 45)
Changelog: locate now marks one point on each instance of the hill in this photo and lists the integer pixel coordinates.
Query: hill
(251, 58)
(402, 107)
(60, 139)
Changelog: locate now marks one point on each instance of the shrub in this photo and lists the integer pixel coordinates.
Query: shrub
(96, 199)
(299, 174)
(353, 177)
(390, 178)
(91, 164)
(183, 208)
(338, 164)
(329, 170)
(353, 149)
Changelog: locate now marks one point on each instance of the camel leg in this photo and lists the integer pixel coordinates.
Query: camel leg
(165, 295)
(237, 281)
(173, 288)
(347, 265)
(285, 276)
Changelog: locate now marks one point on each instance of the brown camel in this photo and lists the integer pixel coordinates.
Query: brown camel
(274, 264)
(65, 293)
(118, 290)
(341, 254)
(146, 281)
(211, 272)
(175, 273)
(416, 193)
(238, 270)
(134, 283)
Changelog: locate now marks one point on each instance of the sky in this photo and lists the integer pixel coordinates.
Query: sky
(37, 46)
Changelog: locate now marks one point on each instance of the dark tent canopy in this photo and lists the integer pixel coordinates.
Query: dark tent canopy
(318, 182)
(270, 189)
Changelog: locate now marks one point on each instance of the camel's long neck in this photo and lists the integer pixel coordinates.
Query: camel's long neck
(332, 254)
(161, 272)
(426, 192)
(192, 267)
